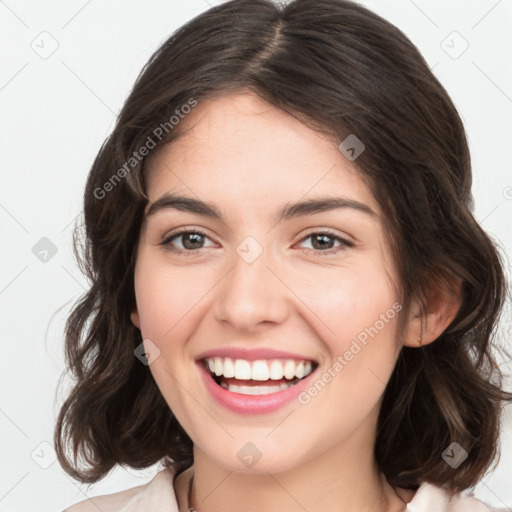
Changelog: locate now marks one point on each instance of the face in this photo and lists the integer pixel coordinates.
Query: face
(249, 284)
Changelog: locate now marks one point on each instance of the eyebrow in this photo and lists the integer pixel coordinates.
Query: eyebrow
(287, 212)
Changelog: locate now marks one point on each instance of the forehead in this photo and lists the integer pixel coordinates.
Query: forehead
(239, 147)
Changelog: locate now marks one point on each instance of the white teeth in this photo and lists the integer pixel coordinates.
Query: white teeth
(276, 370)
(289, 369)
(255, 390)
(260, 370)
(242, 369)
(218, 366)
(299, 370)
(229, 368)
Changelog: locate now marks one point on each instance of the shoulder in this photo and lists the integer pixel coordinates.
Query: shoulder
(106, 502)
(159, 488)
(432, 498)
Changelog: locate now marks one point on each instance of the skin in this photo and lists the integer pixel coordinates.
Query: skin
(249, 159)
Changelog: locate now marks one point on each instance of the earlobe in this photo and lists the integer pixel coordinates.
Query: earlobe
(134, 317)
(415, 326)
(441, 308)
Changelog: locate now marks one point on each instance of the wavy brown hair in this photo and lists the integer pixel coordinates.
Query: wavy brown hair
(341, 69)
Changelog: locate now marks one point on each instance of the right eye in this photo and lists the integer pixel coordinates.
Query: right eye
(190, 238)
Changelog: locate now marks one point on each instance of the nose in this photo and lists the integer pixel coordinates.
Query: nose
(252, 296)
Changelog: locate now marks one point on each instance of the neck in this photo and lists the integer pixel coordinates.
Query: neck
(344, 477)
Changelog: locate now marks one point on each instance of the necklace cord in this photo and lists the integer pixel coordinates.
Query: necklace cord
(190, 508)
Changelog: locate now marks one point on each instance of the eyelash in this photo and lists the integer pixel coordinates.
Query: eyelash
(179, 252)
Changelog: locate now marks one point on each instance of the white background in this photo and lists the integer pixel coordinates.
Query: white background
(56, 112)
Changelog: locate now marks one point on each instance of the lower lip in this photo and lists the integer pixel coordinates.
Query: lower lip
(252, 404)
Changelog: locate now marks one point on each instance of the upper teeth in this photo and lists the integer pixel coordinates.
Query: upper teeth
(260, 369)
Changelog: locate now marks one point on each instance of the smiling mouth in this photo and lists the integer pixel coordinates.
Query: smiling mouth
(260, 377)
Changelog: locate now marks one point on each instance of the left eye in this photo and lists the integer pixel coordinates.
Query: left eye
(320, 242)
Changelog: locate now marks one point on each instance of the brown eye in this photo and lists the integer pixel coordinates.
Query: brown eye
(323, 243)
(190, 242)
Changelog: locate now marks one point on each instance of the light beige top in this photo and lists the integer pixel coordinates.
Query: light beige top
(158, 495)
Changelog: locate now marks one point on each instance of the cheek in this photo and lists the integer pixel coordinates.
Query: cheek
(166, 297)
(355, 314)
(167, 302)
(348, 299)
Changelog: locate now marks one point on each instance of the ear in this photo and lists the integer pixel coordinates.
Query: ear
(442, 305)
(134, 317)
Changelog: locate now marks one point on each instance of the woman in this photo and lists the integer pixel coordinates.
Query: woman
(326, 345)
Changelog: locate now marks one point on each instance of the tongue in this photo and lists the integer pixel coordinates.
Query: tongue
(239, 382)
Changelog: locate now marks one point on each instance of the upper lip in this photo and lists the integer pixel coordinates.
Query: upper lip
(251, 354)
